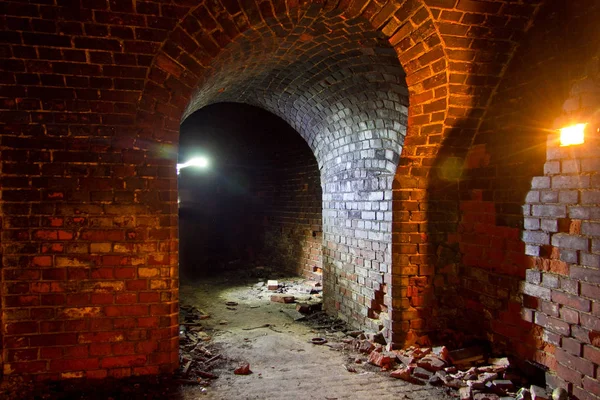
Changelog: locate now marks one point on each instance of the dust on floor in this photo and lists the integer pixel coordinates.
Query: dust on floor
(284, 361)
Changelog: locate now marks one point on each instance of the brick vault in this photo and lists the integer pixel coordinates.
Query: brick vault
(428, 120)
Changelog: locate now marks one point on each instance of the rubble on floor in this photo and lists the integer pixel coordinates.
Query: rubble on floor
(196, 357)
(468, 370)
(466, 373)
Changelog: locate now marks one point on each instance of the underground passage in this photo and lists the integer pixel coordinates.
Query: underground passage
(257, 201)
(272, 199)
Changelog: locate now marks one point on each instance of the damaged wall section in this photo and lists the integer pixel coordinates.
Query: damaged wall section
(562, 235)
(481, 266)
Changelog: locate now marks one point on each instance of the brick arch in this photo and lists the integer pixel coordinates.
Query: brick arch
(212, 38)
(76, 158)
(321, 84)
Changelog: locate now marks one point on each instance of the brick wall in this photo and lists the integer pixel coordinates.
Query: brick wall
(291, 218)
(482, 264)
(441, 191)
(259, 202)
(92, 95)
(89, 233)
(561, 290)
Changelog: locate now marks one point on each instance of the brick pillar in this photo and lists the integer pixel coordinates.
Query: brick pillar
(562, 236)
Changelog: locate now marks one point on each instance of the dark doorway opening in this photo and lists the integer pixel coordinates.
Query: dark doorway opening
(256, 203)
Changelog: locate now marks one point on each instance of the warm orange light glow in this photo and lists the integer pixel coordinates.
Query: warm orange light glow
(572, 135)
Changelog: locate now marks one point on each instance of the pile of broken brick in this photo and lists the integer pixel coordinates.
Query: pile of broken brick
(468, 371)
(465, 370)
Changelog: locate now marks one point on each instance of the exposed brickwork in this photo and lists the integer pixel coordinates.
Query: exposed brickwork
(89, 233)
(292, 216)
(92, 94)
(448, 98)
(355, 133)
(259, 202)
(500, 177)
(561, 234)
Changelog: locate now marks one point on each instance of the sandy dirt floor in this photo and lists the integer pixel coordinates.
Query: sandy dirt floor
(284, 362)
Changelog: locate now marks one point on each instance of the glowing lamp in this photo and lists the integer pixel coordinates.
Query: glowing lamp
(199, 162)
(572, 135)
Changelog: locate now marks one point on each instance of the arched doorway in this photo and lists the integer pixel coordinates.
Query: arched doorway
(258, 201)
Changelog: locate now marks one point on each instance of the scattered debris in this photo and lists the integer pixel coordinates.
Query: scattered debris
(309, 308)
(422, 373)
(212, 359)
(538, 393)
(293, 314)
(377, 338)
(467, 356)
(186, 368)
(205, 374)
(364, 346)
(203, 336)
(431, 363)
(382, 359)
(258, 327)
(282, 298)
(465, 393)
(523, 394)
(354, 333)
(243, 370)
(350, 368)
(195, 357)
(402, 373)
(468, 370)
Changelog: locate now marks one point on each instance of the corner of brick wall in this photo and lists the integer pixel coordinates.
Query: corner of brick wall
(561, 293)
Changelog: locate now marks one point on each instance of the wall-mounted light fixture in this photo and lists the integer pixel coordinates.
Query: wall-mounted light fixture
(573, 135)
(200, 162)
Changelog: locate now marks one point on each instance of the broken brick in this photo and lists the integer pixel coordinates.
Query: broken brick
(401, 373)
(383, 360)
(282, 298)
(431, 363)
(243, 370)
(422, 373)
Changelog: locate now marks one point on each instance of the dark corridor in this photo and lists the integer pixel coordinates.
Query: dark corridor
(257, 202)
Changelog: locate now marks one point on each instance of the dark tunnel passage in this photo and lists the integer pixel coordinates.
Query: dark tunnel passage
(257, 202)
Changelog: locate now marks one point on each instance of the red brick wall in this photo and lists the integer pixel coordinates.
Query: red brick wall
(562, 288)
(500, 178)
(292, 217)
(89, 237)
(92, 95)
(561, 292)
(436, 185)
